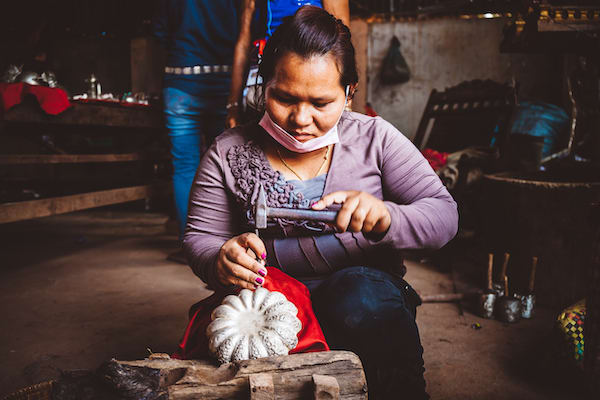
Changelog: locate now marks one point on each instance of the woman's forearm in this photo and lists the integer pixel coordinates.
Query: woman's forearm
(339, 9)
(240, 62)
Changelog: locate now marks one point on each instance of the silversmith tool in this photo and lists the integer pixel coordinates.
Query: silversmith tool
(488, 299)
(499, 287)
(508, 309)
(262, 213)
(528, 300)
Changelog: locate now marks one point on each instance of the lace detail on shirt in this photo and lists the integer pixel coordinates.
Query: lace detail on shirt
(250, 168)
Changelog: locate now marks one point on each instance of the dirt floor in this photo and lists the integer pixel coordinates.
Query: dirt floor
(78, 289)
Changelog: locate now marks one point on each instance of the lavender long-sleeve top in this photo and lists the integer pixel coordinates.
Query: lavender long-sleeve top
(372, 156)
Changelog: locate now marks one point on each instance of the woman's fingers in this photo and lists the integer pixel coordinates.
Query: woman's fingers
(360, 211)
(254, 243)
(370, 220)
(241, 258)
(241, 276)
(346, 214)
(331, 198)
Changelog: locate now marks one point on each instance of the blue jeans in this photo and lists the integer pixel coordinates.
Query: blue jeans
(192, 123)
(372, 313)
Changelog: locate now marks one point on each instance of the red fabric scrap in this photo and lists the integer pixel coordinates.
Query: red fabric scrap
(435, 158)
(52, 100)
(370, 111)
(194, 344)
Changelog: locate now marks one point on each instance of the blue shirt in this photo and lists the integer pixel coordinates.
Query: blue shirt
(197, 32)
(277, 10)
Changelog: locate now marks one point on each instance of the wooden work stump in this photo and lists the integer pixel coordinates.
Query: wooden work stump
(322, 375)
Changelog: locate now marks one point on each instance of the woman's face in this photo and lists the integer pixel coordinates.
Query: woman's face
(305, 96)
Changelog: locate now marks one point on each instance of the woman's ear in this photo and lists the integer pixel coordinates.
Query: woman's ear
(352, 90)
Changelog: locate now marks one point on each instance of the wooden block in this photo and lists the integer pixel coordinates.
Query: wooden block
(325, 387)
(261, 387)
(292, 376)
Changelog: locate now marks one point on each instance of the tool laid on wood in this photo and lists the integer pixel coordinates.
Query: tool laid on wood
(262, 213)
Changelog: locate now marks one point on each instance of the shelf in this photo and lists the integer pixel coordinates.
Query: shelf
(18, 211)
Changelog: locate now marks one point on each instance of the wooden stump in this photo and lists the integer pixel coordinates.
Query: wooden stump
(331, 375)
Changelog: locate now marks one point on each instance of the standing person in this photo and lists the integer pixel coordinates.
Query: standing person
(275, 11)
(199, 36)
(306, 151)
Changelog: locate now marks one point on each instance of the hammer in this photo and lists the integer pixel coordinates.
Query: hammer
(262, 213)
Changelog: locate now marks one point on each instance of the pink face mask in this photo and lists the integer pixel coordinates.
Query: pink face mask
(292, 144)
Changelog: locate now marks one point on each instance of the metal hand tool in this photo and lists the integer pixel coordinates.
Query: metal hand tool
(262, 213)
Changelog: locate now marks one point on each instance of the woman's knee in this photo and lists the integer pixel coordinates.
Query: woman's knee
(356, 296)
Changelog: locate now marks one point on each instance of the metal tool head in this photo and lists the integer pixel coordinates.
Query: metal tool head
(260, 209)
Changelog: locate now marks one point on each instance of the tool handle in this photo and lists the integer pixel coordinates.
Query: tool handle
(489, 271)
(505, 265)
(303, 214)
(534, 262)
(505, 285)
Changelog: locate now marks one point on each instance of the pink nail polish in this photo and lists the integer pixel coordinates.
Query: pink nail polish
(263, 256)
(262, 272)
(259, 280)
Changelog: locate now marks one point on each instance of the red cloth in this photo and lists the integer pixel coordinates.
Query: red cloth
(194, 344)
(52, 100)
(435, 158)
(370, 111)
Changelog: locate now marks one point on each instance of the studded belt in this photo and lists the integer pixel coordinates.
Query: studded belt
(198, 69)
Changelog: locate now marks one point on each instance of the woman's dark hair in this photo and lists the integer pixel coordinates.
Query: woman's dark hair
(311, 31)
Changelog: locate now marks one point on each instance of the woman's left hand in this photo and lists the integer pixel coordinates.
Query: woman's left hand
(360, 212)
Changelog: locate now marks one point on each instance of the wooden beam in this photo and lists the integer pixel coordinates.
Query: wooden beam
(17, 159)
(18, 211)
(261, 387)
(325, 387)
(292, 376)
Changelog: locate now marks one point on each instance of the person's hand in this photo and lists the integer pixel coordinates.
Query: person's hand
(360, 212)
(235, 266)
(233, 117)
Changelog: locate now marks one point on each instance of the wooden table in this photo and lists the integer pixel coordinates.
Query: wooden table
(83, 117)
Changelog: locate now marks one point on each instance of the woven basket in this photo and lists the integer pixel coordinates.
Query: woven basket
(41, 391)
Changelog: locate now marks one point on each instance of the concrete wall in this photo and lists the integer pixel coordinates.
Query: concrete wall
(441, 53)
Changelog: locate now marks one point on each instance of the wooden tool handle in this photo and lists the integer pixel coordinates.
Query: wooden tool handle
(489, 271)
(534, 262)
(505, 286)
(505, 265)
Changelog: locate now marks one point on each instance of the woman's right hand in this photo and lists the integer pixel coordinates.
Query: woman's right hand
(235, 266)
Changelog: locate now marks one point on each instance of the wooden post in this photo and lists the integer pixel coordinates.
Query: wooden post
(261, 387)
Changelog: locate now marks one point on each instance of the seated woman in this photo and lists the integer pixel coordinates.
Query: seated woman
(307, 152)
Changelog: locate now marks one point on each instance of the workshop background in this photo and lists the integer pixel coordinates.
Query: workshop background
(501, 96)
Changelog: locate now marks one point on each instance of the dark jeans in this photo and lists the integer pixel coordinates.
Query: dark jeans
(372, 313)
(190, 120)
